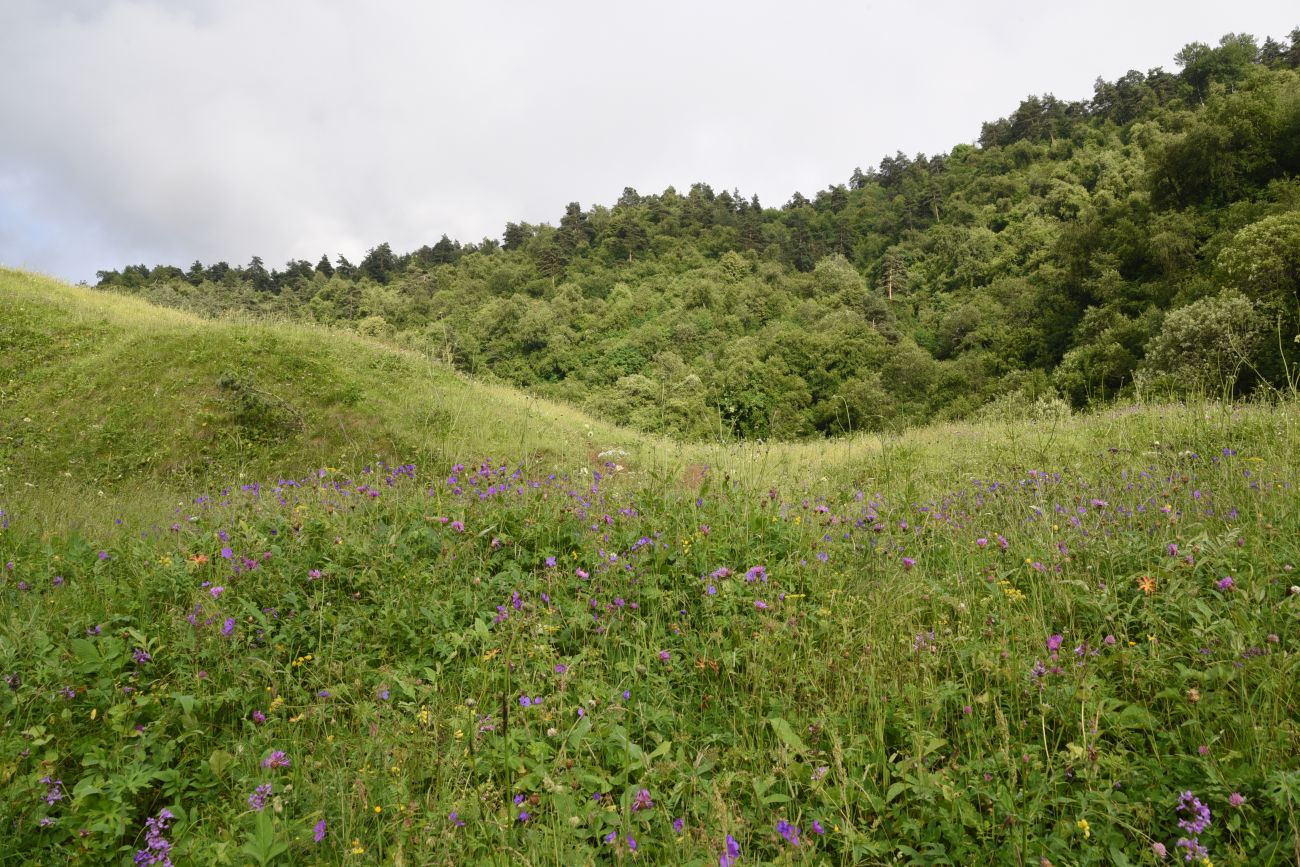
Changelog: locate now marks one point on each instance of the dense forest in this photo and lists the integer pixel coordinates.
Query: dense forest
(1146, 240)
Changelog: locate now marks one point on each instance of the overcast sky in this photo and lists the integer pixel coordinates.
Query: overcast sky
(172, 130)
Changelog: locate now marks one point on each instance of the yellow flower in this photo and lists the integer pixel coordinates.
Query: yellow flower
(1083, 826)
(378, 809)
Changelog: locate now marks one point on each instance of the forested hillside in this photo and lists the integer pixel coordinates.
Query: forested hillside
(1148, 238)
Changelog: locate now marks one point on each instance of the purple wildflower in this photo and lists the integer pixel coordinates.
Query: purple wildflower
(732, 853)
(455, 819)
(678, 825)
(318, 833)
(54, 790)
(276, 759)
(258, 799)
(228, 627)
(642, 801)
(789, 832)
(157, 848)
(141, 656)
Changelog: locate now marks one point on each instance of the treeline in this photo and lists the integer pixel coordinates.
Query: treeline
(1148, 238)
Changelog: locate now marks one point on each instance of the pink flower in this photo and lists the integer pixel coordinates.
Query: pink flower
(276, 759)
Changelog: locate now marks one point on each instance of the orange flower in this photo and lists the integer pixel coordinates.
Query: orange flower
(199, 559)
(1148, 584)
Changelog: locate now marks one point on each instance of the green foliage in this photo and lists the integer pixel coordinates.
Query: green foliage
(1205, 345)
(1052, 249)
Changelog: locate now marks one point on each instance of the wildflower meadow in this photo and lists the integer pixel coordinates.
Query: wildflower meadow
(1077, 653)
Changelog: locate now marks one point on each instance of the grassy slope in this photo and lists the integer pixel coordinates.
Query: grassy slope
(117, 395)
(69, 355)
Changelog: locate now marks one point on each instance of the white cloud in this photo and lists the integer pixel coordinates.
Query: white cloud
(149, 130)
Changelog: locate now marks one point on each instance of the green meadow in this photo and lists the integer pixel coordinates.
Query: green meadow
(276, 593)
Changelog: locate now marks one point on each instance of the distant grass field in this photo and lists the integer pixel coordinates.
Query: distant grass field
(337, 604)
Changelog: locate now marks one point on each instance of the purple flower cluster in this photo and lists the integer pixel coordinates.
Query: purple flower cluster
(53, 790)
(789, 832)
(1196, 818)
(257, 800)
(157, 848)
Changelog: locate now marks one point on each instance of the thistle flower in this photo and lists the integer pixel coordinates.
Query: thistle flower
(277, 759)
(642, 801)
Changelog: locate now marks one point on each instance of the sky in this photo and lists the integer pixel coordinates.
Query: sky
(164, 131)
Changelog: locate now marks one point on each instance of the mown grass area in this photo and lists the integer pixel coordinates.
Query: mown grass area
(999, 642)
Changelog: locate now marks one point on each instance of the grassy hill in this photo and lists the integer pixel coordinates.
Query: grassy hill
(110, 392)
(337, 604)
